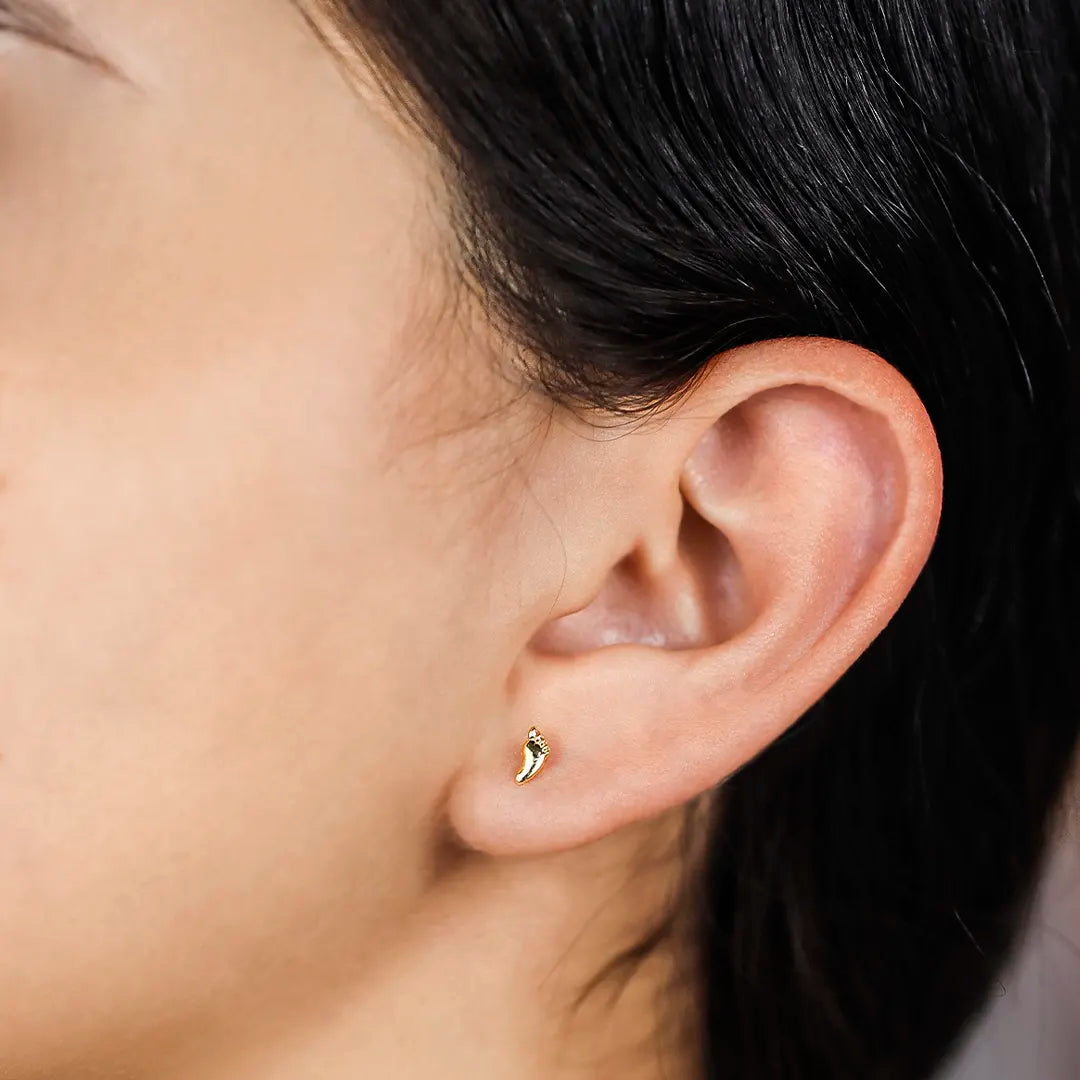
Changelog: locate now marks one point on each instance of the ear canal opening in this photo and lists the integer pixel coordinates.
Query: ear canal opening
(697, 600)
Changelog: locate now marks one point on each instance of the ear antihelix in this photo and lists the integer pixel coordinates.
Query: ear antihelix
(533, 755)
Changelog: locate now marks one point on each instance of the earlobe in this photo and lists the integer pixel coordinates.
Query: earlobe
(810, 488)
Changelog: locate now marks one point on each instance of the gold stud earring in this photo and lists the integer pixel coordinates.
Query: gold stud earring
(533, 755)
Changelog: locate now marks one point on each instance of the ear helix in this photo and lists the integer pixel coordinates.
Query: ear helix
(533, 755)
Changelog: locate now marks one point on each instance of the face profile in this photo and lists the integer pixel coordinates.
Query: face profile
(533, 542)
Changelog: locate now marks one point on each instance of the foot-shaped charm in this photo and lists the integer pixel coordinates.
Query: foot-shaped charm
(533, 755)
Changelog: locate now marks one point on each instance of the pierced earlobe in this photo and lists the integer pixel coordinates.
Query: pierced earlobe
(533, 755)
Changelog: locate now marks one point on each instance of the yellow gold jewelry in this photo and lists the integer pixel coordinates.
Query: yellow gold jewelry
(533, 755)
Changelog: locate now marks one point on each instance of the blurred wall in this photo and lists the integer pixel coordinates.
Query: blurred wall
(1032, 1029)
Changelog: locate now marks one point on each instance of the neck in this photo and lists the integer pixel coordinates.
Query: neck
(483, 978)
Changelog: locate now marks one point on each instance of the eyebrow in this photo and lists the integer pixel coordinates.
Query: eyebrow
(43, 22)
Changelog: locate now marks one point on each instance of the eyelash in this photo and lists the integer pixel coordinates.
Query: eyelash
(9, 20)
(27, 24)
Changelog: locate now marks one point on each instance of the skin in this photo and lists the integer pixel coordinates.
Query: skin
(291, 560)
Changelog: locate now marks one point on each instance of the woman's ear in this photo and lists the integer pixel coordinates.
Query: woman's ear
(781, 513)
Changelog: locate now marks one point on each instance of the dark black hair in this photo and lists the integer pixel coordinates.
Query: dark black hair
(642, 184)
